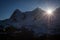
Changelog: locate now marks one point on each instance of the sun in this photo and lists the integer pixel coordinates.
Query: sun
(49, 12)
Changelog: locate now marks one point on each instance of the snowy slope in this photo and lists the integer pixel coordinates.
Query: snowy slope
(30, 19)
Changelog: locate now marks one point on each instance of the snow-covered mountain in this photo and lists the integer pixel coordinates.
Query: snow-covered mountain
(55, 26)
(30, 19)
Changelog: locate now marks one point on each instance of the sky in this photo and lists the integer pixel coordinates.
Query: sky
(7, 7)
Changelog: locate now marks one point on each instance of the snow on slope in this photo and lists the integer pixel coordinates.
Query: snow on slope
(30, 19)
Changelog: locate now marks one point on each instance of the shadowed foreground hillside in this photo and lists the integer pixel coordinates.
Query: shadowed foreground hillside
(11, 33)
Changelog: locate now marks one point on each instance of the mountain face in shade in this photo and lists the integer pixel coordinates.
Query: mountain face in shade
(30, 19)
(57, 15)
(56, 21)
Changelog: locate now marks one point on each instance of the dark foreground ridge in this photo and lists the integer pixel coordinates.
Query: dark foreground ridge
(10, 33)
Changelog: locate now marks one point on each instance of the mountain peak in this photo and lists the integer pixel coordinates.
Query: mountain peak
(37, 9)
(17, 10)
(58, 8)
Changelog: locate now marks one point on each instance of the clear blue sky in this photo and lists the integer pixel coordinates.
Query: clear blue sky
(7, 7)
